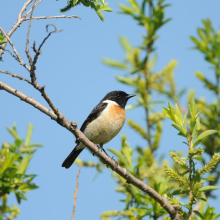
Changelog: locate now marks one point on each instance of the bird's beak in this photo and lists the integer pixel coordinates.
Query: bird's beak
(129, 96)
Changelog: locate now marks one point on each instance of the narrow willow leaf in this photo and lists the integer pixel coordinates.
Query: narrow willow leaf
(179, 129)
(103, 3)
(29, 134)
(74, 2)
(180, 191)
(99, 13)
(115, 63)
(199, 214)
(203, 199)
(125, 43)
(24, 163)
(125, 9)
(203, 135)
(208, 188)
(135, 5)
(13, 132)
(107, 9)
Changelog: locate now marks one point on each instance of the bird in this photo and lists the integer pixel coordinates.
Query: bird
(103, 123)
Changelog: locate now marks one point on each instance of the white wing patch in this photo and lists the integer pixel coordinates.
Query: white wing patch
(110, 102)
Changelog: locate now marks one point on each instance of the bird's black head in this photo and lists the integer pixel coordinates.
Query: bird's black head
(119, 97)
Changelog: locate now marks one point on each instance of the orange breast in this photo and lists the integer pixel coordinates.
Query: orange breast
(117, 113)
(107, 125)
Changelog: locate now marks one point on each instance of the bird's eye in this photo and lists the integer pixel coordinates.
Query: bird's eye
(118, 96)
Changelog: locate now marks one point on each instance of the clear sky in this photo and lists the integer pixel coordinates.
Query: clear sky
(76, 81)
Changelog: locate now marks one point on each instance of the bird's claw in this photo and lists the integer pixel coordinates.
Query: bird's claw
(116, 163)
(97, 152)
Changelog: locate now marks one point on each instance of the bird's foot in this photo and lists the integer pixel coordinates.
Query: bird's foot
(99, 149)
(116, 163)
(101, 146)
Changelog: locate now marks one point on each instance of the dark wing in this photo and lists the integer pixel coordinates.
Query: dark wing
(94, 114)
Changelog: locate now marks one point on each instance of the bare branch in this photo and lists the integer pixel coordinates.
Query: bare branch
(37, 53)
(28, 100)
(24, 8)
(15, 75)
(32, 8)
(48, 17)
(24, 18)
(55, 31)
(72, 127)
(17, 54)
(33, 78)
(9, 52)
(75, 192)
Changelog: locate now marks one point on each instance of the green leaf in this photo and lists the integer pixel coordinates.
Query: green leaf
(125, 9)
(29, 134)
(36, 145)
(115, 63)
(103, 3)
(203, 135)
(195, 41)
(135, 5)
(125, 43)
(203, 199)
(22, 166)
(179, 128)
(125, 80)
(74, 2)
(20, 196)
(13, 132)
(208, 188)
(199, 214)
(129, 107)
(107, 9)
(99, 13)
(180, 191)
(192, 108)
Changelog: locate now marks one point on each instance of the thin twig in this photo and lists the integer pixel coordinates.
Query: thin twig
(48, 17)
(75, 192)
(32, 70)
(28, 100)
(55, 31)
(17, 54)
(32, 8)
(24, 8)
(24, 18)
(9, 52)
(16, 76)
(72, 127)
(33, 78)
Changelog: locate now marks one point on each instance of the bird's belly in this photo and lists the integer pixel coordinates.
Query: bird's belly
(106, 126)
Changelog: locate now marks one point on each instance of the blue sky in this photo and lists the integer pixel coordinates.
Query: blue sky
(76, 81)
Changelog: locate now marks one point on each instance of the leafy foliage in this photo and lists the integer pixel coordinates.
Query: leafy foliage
(97, 5)
(14, 161)
(190, 179)
(207, 42)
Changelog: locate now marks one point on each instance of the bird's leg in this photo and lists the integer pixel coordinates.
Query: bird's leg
(101, 146)
(116, 163)
(97, 152)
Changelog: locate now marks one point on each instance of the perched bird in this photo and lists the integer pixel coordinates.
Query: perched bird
(103, 123)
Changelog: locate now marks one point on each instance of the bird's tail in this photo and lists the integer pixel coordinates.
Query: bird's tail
(72, 156)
